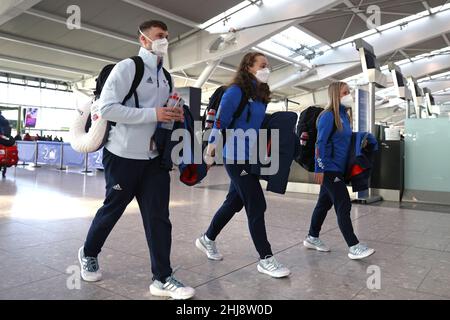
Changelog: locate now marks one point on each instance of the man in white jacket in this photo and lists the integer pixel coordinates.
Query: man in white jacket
(132, 163)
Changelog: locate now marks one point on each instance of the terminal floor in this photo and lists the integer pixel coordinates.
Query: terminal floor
(45, 215)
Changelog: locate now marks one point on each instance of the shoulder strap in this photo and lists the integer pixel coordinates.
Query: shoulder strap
(240, 109)
(139, 63)
(168, 78)
(214, 102)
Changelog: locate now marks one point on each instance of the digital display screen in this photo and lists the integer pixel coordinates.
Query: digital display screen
(400, 80)
(371, 61)
(432, 99)
(418, 90)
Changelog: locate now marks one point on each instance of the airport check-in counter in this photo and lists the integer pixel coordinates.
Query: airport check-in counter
(388, 171)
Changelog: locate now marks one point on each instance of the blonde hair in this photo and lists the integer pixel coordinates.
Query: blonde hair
(334, 96)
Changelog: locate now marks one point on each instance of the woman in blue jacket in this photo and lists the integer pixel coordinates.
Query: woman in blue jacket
(245, 189)
(334, 133)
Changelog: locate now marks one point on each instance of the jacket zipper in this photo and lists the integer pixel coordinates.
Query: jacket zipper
(157, 78)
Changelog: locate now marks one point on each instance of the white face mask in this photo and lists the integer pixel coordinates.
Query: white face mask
(348, 101)
(263, 75)
(159, 46)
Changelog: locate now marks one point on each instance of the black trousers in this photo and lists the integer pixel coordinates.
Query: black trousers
(334, 192)
(150, 184)
(245, 190)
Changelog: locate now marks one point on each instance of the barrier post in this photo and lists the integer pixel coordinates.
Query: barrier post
(86, 164)
(36, 154)
(61, 161)
(23, 164)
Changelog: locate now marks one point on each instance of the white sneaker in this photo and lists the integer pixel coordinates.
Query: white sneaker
(172, 288)
(89, 267)
(208, 247)
(360, 251)
(315, 243)
(273, 268)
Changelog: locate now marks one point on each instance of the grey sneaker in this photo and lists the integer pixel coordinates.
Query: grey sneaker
(208, 247)
(89, 267)
(273, 268)
(360, 251)
(315, 243)
(172, 288)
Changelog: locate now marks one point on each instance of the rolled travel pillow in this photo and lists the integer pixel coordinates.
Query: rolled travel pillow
(87, 138)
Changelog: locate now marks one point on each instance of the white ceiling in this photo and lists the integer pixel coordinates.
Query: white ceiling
(65, 52)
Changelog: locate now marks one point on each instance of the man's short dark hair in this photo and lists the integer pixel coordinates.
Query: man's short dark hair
(152, 24)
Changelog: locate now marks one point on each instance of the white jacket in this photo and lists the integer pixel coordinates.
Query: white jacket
(131, 136)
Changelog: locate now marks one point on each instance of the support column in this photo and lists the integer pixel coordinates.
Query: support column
(206, 73)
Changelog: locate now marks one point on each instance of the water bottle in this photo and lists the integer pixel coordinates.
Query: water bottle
(173, 102)
(304, 138)
(210, 118)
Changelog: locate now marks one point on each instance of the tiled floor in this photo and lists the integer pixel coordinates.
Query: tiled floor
(45, 214)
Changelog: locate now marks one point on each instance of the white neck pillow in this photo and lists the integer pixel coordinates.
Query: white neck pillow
(91, 141)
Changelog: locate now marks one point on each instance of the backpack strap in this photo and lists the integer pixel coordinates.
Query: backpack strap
(240, 109)
(168, 78)
(214, 103)
(139, 63)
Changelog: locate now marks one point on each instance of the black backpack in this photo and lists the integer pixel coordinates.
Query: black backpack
(100, 83)
(308, 124)
(210, 113)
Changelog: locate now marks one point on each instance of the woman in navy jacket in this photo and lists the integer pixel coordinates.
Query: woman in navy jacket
(245, 189)
(334, 133)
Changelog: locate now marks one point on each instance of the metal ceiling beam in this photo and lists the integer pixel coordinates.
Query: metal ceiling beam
(194, 50)
(190, 78)
(447, 41)
(45, 65)
(428, 66)
(282, 58)
(9, 9)
(435, 86)
(56, 48)
(330, 64)
(206, 73)
(418, 69)
(426, 6)
(163, 13)
(34, 74)
(403, 53)
(292, 79)
(356, 11)
(84, 26)
(347, 27)
(227, 67)
(442, 99)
